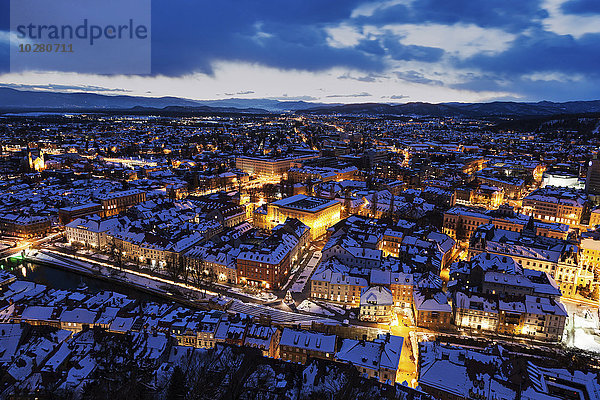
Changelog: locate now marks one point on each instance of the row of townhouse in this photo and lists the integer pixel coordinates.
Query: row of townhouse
(177, 240)
(269, 263)
(266, 264)
(205, 330)
(539, 318)
(364, 243)
(495, 293)
(559, 258)
(153, 233)
(73, 319)
(323, 174)
(461, 222)
(557, 204)
(24, 225)
(378, 358)
(333, 282)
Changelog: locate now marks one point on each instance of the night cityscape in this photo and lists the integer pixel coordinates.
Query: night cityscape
(300, 200)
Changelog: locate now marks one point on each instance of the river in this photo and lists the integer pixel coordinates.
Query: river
(59, 278)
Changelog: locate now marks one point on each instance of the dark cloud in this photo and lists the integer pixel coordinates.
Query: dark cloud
(584, 7)
(398, 51)
(511, 15)
(189, 36)
(399, 97)
(542, 51)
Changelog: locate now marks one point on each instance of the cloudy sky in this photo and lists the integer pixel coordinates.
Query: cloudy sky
(356, 51)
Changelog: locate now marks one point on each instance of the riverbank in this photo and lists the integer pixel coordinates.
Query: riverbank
(121, 278)
(179, 292)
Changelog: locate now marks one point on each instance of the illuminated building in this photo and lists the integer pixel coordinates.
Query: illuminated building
(12, 224)
(299, 345)
(460, 223)
(268, 264)
(475, 312)
(338, 287)
(324, 174)
(472, 165)
(490, 197)
(556, 205)
(590, 250)
(401, 285)
(376, 304)
(116, 202)
(595, 218)
(513, 187)
(68, 214)
(269, 167)
(318, 214)
(559, 258)
(431, 309)
(390, 244)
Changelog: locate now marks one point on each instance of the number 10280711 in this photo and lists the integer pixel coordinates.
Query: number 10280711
(46, 48)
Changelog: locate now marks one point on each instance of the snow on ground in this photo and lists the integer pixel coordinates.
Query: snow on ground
(309, 306)
(264, 296)
(587, 340)
(582, 329)
(103, 257)
(298, 286)
(335, 307)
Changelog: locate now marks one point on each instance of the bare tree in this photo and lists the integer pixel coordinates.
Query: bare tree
(116, 252)
(174, 265)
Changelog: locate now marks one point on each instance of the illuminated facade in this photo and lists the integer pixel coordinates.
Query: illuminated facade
(595, 218)
(559, 258)
(269, 167)
(460, 223)
(590, 251)
(556, 205)
(116, 202)
(390, 244)
(401, 285)
(24, 226)
(337, 287)
(318, 214)
(473, 165)
(475, 312)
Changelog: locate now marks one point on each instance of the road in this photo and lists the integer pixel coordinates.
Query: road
(25, 244)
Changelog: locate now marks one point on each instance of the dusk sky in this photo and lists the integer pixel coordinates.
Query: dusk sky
(356, 51)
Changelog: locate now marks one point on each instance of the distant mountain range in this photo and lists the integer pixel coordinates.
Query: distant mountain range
(12, 100)
(466, 110)
(20, 100)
